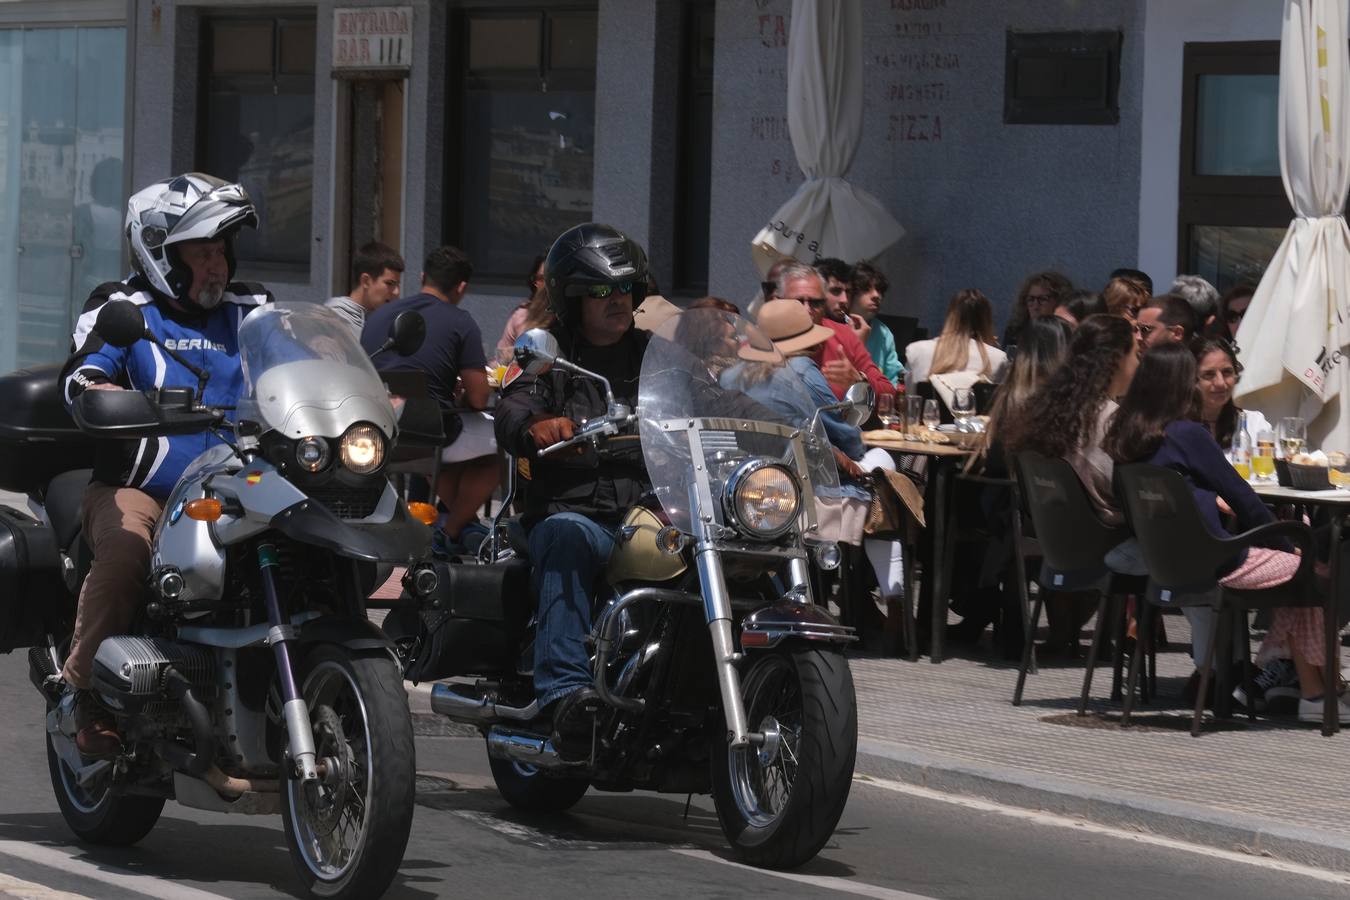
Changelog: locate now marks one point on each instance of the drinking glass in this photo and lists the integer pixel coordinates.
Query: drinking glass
(931, 418)
(963, 406)
(1293, 435)
(1263, 457)
(886, 410)
(914, 414)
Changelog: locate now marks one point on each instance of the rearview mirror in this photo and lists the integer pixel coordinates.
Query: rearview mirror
(120, 323)
(536, 351)
(408, 332)
(862, 399)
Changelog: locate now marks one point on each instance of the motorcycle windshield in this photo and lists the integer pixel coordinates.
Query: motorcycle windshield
(305, 374)
(711, 379)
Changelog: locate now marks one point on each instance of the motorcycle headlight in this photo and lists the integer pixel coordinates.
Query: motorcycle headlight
(362, 449)
(762, 499)
(312, 453)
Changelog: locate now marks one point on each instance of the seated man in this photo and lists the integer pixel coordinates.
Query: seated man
(866, 289)
(1165, 319)
(452, 353)
(573, 501)
(183, 288)
(377, 271)
(843, 359)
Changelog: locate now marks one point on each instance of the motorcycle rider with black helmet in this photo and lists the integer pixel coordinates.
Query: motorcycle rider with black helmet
(595, 276)
(181, 236)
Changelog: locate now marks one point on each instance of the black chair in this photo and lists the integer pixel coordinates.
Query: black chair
(903, 329)
(1183, 559)
(1074, 542)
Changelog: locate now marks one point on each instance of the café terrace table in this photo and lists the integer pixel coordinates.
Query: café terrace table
(937, 570)
(1337, 503)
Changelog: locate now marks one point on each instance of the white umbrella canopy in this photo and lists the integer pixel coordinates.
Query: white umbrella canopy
(827, 216)
(1294, 335)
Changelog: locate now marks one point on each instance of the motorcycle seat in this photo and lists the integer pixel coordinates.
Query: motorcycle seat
(65, 505)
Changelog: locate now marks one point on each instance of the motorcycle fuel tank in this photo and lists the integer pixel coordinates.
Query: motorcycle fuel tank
(637, 556)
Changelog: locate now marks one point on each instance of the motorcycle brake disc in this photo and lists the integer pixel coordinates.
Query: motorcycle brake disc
(324, 799)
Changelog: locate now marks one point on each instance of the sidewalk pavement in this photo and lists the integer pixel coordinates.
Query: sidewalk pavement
(1272, 787)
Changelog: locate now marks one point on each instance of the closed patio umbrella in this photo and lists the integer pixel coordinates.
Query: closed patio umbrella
(827, 216)
(1295, 333)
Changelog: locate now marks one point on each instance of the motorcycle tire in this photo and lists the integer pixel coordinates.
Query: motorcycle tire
(778, 815)
(531, 790)
(361, 699)
(103, 817)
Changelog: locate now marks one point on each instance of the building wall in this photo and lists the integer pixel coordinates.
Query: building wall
(983, 203)
(1168, 26)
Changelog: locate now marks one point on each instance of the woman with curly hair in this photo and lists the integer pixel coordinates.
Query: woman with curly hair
(1217, 374)
(1066, 418)
(1125, 297)
(1038, 297)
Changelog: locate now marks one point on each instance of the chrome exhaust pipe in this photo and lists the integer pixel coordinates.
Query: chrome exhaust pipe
(455, 702)
(530, 749)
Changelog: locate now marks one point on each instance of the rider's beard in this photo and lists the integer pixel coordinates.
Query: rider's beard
(210, 295)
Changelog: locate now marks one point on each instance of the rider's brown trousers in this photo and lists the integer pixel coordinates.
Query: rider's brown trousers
(118, 524)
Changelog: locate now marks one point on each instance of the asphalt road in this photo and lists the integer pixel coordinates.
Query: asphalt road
(893, 842)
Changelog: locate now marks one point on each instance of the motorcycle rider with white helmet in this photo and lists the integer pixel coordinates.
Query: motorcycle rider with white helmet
(181, 236)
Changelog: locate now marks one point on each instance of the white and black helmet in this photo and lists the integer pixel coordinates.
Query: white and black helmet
(191, 207)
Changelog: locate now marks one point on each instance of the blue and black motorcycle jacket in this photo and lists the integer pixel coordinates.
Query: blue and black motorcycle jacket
(208, 340)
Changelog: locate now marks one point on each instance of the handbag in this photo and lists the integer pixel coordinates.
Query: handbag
(897, 506)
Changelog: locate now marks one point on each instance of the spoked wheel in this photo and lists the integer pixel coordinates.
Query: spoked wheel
(529, 788)
(95, 812)
(347, 831)
(779, 802)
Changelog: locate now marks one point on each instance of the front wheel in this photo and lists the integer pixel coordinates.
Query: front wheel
(347, 831)
(779, 802)
(94, 812)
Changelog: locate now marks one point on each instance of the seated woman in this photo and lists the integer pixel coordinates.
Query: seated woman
(533, 313)
(1045, 343)
(966, 343)
(1066, 418)
(1038, 297)
(1217, 374)
(1153, 426)
(788, 325)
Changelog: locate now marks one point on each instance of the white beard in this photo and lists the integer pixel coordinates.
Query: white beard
(210, 296)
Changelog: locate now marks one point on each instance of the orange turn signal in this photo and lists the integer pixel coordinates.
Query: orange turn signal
(203, 510)
(422, 512)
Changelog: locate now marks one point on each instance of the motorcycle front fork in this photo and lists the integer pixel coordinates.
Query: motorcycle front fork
(717, 611)
(281, 635)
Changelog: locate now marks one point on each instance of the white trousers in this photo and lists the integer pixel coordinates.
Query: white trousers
(886, 557)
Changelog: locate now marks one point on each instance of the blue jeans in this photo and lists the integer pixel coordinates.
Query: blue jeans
(568, 552)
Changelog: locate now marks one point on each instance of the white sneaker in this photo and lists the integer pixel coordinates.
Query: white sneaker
(1311, 711)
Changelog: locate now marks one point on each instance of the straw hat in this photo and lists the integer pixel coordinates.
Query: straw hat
(788, 324)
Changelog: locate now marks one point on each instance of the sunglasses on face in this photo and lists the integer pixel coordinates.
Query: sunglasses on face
(1144, 330)
(810, 301)
(1039, 298)
(600, 291)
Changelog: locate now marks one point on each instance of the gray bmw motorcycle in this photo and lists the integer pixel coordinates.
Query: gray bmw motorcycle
(718, 671)
(252, 682)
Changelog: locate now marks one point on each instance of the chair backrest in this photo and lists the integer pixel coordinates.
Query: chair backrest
(984, 396)
(902, 329)
(1177, 546)
(1073, 538)
(926, 390)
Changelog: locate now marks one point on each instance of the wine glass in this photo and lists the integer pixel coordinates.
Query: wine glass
(1293, 436)
(963, 407)
(931, 418)
(886, 411)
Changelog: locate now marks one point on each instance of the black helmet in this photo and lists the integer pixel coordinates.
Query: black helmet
(587, 255)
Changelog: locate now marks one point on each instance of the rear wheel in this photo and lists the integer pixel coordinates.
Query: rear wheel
(95, 812)
(530, 789)
(778, 803)
(347, 831)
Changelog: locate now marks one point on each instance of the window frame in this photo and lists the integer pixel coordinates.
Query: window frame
(1234, 201)
(279, 82)
(693, 83)
(460, 81)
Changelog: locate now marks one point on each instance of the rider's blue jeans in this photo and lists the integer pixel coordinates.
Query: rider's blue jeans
(568, 552)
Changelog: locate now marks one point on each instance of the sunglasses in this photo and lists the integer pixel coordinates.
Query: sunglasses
(809, 301)
(600, 291)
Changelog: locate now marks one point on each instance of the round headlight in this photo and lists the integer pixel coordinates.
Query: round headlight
(763, 499)
(362, 449)
(312, 453)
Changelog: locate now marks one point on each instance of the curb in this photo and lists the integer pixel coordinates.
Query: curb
(1177, 820)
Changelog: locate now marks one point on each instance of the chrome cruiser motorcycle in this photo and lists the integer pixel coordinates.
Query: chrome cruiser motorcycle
(718, 672)
(253, 681)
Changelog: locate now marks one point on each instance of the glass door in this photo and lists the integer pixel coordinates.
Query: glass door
(61, 133)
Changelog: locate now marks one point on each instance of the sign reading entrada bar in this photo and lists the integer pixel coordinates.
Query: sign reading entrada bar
(372, 37)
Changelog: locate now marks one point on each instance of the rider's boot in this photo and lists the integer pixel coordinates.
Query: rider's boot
(574, 723)
(97, 737)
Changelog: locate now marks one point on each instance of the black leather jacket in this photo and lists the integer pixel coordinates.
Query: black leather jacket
(600, 485)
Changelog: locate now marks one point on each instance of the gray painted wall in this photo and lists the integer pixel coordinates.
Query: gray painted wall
(983, 206)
